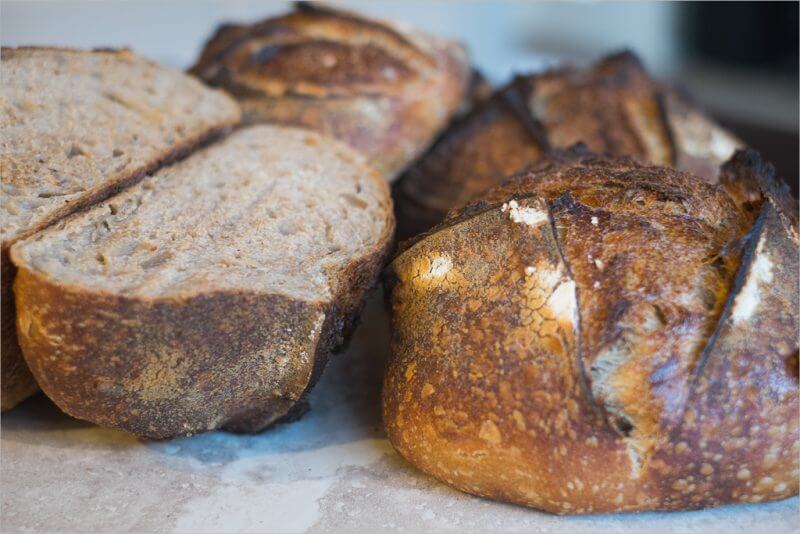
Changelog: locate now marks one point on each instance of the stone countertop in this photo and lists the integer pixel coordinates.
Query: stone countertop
(332, 471)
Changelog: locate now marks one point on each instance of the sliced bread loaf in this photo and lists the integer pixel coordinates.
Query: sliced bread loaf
(78, 126)
(209, 294)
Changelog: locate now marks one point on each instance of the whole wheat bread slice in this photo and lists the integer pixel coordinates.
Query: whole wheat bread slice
(209, 294)
(76, 127)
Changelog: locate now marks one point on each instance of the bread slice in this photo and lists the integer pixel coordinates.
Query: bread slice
(77, 126)
(210, 294)
(384, 89)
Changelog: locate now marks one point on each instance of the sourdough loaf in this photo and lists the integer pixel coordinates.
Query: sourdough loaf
(612, 107)
(78, 126)
(209, 294)
(596, 335)
(384, 89)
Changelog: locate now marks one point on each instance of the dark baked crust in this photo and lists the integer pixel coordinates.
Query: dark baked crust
(384, 91)
(482, 148)
(596, 335)
(16, 381)
(174, 367)
(613, 107)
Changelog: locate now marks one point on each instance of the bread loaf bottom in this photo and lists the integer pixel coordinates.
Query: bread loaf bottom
(210, 294)
(598, 336)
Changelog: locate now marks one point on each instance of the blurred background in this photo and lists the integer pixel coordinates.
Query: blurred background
(738, 59)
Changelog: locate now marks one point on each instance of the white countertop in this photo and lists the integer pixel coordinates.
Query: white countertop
(332, 471)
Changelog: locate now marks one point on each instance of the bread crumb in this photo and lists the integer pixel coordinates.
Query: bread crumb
(595, 221)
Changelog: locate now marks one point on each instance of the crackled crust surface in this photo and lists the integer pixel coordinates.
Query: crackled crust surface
(596, 335)
(385, 90)
(209, 294)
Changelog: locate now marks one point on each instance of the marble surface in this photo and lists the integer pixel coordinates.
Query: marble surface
(333, 471)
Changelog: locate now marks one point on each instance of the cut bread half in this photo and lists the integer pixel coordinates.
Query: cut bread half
(78, 126)
(210, 294)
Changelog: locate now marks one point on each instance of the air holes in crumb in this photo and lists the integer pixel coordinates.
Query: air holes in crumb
(100, 258)
(113, 209)
(355, 201)
(117, 153)
(155, 261)
(76, 150)
(287, 228)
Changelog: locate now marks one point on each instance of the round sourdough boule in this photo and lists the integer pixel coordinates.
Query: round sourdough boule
(384, 89)
(598, 336)
(210, 294)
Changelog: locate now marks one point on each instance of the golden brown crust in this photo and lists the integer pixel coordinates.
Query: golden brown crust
(586, 338)
(482, 148)
(386, 92)
(613, 107)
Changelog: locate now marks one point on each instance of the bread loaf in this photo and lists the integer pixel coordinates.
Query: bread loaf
(596, 335)
(612, 107)
(209, 294)
(78, 126)
(385, 90)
